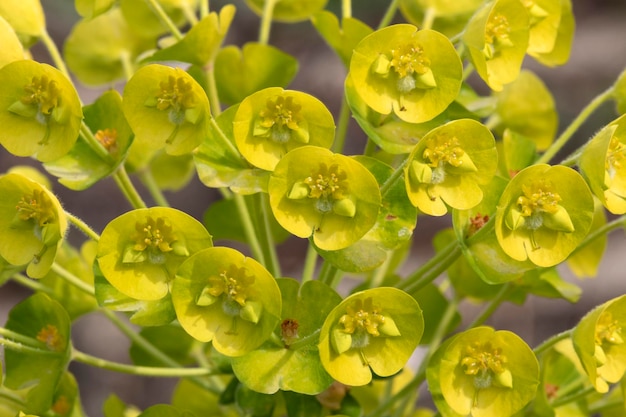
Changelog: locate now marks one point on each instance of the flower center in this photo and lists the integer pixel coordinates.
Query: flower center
(409, 59)
(362, 316)
(45, 94)
(497, 29)
(615, 157)
(234, 283)
(36, 206)
(107, 138)
(51, 337)
(537, 198)
(486, 364)
(154, 235)
(176, 95)
(608, 330)
(282, 121)
(328, 182)
(443, 149)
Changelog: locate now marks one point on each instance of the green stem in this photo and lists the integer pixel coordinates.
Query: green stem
(32, 284)
(189, 13)
(72, 279)
(204, 8)
(573, 397)
(389, 14)
(310, 261)
(380, 273)
(429, 18)
(165, 19)
(342, 127)
(397, 174)
(225, 141)
(157, 194)
(306, 340)
(54, 53)
(575, 125)
(21, 339)
(83, 227)
(328, 274)
(370, 147)
(266, 21)
(605, 229)
(248, 227)
(270, 246)
(128, 189)
(431, 269)
(547, 344)
(87, 359)
(22, 348)
(346, 8)
(493, 305)
(212, 92)
(127, 64)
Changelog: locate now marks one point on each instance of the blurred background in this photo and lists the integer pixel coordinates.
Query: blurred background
(598, 57)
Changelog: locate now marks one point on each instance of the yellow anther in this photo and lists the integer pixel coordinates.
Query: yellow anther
(155, 235)
(608, 330)
(176, 95)
(538, 197)
(280, 113)
(327, 183)
(362, 316)
(480, 359)
(36, 206)
(42, 92)
(497, 30)
(443, 149)
(615, 156)
(234, 283)
(51, 337)
(107, 138)
(409, 59)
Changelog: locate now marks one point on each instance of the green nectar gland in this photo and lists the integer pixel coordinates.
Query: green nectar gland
(362, 320)
(329, 188)
(281, 121)
(608, 332)
(36, 207)
(487, 365)
(153, 240)
(233, 287)
(176, 96)
(497, 34)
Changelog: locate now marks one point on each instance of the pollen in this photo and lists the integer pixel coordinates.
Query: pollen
(497, 29)
(155, 235)
(283, 112)
(443, 149)
(615, 157)
(107, 138)
(176, 95)
(42, 92)
(235, 283)
(608, 330)
(480, 359)
(362, 316)
(51, 337)
(328, 182)
(538, 197)
(409, 59)
(36, 206)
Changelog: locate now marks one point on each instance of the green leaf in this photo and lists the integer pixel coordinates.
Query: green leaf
(586, 260)
(115, 407)
(289, 10)
(92, 8)
(82, 166)
(253, 403)
(171, 172)
(164, 410)
(44, 320)
(171, 340)
(342, 38)
(293, 366)
(300, 405)
(197, 400)
(241, 72)
(146, 23)
(201, 44)
(434, 305)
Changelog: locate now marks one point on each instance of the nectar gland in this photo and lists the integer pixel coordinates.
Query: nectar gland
(487, 365)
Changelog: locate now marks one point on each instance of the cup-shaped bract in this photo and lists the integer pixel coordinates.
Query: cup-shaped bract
(447, 17)
(543, 214)
(273, 121)
(497, 38)
(603, 163)
(599, 343)
(140, 251)
(12, 49)
(224, 297)
(39, 110)
(487, 373)
(371, 331)
(448, 166)
(103, 62)
(331, 197)
(551, 30)
(167, 109)
(32, 224)
(413, 73)
(26, 17)
(288, 10)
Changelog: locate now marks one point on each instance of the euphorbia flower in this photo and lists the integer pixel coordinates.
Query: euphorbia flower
(374, 330)
(551, 30)
(603, 163)
(497, 38)
(599, 343)
(414, 73)
(26, 17)
(166, 108)
(448, 166)
(331, 197)
(484, 373)
(32, 224)
(227, 298)
(140, 250)
(289, 10)
(543, 214)
(271, 122)
(39, 110)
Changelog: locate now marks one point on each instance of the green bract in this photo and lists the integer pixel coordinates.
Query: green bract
(140, 250)
(447, 17)
(39, 110)
(289, 10)
(11, 47)
(543, 214)
(92, 8)
(527, 107)
(603, 163)
(224, 297)
(147, 23)
(551, 30)
(485, 373)
(166, 108)
(32, 224)
(273, 121)
(375, 330)
(103, 62)
(599, 344)
(330, 197)
(497, 38)
(414, 73)
(26, 17)
(448, 166)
